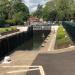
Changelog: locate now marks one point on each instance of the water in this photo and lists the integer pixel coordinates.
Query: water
(38, 40)
(35, 41)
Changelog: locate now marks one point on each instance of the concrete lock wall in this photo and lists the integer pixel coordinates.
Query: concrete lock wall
(70, 28)
(9, 43)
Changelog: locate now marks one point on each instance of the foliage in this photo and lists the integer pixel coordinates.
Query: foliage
(49, 11)
(19, 18)
(63, 8)
(9, 10)
(7, 29)
(62, 39)
(22, 8)
(38, 12)
(57, 10)
(11, 21)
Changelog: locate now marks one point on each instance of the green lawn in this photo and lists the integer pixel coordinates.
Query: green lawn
(62, 39)
(6, 29)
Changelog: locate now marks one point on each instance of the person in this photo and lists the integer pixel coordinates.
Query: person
(53, 30)
(48, 22)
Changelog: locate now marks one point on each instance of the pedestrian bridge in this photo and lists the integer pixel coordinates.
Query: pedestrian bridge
(35, 27)
(22, 28)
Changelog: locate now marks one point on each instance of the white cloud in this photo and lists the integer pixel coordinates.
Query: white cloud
(34, 9)
(27, 2)
(32, 4)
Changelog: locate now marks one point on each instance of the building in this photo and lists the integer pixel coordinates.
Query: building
(33, 19)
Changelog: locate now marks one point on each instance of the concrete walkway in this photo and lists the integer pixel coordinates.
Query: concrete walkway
(56, 64)
(53, 37)
(47, 61)
(22, 28)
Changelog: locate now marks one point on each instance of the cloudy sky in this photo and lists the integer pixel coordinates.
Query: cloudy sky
(32, 4)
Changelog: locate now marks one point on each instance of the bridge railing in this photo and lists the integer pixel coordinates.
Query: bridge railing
(41, 26)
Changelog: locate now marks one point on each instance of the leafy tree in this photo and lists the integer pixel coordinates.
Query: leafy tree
(21, 11)
(11, 9)
(73, 9)
(63, 8)
(49, 11)
(38, 12)
(59, 9)
(3, 6)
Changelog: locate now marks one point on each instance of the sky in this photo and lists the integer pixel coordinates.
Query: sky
(32, 4)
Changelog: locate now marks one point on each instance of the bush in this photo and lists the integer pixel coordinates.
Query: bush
(11, 21)
(6, 30)
(19, 18)
(61, 33)
(13, 28)
(62, 39)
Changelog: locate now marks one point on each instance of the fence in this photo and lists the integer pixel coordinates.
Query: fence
(70, 28)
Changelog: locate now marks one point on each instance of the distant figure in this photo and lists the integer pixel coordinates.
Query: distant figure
(48, 22)
(53, 30)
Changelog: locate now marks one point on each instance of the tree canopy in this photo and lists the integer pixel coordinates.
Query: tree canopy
(49, 11)
(58, 10)
(63, 8)
(38, 12)
(13, 12)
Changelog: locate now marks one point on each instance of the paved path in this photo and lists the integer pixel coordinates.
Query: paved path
(53, 37)
(52, 62)
(56, 64)
(49, 42)
(19, 58)
(22, 28)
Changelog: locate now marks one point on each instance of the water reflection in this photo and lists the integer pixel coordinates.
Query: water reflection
(38, 40)
(34, 43)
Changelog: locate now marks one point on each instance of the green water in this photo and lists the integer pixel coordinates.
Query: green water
(34, 43)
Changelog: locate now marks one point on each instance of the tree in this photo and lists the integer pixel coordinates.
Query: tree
(3, 15)
(11, 9)
(49, 11)
(38, 12)
(63, 8)
(73, 9)
(59, 10)
(22, 12)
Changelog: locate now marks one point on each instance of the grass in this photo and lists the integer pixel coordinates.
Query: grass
(62, 39)
(6, 29)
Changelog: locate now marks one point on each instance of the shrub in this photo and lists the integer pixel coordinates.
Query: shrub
(11, 21)
(6, 30)
(13, 28)
(62, 39)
